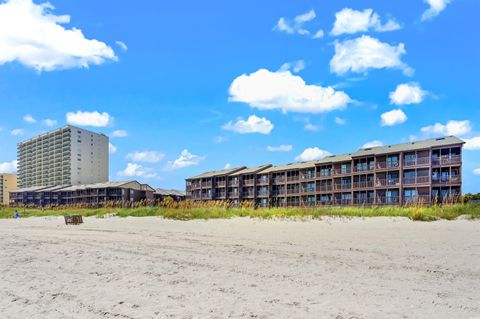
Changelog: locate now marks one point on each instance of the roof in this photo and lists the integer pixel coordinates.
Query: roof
(218, 173)
(404, 147)
(291, 166)
(252, 170)
(30, 189)
(169, 192)
(52, 188)
(127, 184)
(411, 146)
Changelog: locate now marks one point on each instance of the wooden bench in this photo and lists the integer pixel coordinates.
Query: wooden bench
(73, 220)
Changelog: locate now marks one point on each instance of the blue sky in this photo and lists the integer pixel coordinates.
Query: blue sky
(199, 85)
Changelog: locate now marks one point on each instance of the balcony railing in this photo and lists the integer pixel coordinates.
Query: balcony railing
(261, 181)
(445, 180)
(278, 192)
(207, 184)
(233, 182)
(326, 202)
(220, 184)
(387, 165)
(343, 202)
(293, 178)
(342, 186)
(418, 199)
(339, 171)
(387, 182)
(248, 194)
(262, 193)
(232, 194)
(447, 160)
(307, 177)
(325, 188)
(387, 200)
(249, 182)
(293, 191)
(423, 160)
(324, 174)
(363, 184)
(221, 195)
(279, 180)
(362, 169)
(307, 190)
(416, 180)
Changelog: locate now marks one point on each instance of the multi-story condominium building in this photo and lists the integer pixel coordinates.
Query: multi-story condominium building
(426, 172)
(8, 183)
(65, 156)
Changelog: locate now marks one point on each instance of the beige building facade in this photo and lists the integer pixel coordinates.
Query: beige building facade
(65, 156)
(8, 183)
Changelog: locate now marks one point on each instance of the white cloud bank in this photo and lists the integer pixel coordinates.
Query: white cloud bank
(266, 90)
(364, 53)
(408, 93)
(8, 167)
(95, 118)
(436, 6)
(112, 149)
(374, 143)
(295, 66)
(29, 119)
(146, 156)
(33, 36)
(253, 124)
(119, 133)
(393, 117)
(472, 144)
(17, 132)
(137, 170)
(50, 122)
(312, 154)
(349, 21)
(476, 171)
(185, 159)
(458, 128)
(280, 148)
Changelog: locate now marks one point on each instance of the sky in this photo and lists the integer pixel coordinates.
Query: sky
(183, 87)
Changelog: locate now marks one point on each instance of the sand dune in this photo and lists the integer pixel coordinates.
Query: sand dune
(239, 268)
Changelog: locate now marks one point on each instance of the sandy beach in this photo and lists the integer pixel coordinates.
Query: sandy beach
(239, 268)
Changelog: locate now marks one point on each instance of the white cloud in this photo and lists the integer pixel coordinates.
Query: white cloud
(340, 121)
(112, 149)
(50, 122)
(219, 139)
(137, 170)
(319, 34)
(349, 21)
(89, 118)
(364, 53)
(8, 167)
(476, 171)
(33, 36)
(407, 93)
(227, 166)
(312, 154)
(472, 144)
(268, 90)
(119, 133)
(295, 26)
(280, 148)
(17, 132)
(451, 128)
(184, 160)
(436, 6)
(393, 117)
(121, 45)
(253, 124)
(146, 156)
(29, 119)
(311, 127)
(296, 66)
(371, 144)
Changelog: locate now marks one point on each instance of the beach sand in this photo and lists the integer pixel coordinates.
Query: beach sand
(239, 268)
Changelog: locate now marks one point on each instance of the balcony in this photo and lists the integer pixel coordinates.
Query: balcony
(388, 200)
(325, 202)
(418, 199)
(293, 191)
(363, 184)
(221, 195)
(232, 194)
(447, 160)
(262, 181)
(325, 188)
(416, 180)
(388, 182)
(343, 202)
(365, 169)
(233, 182)
(325, 174)
(446, 180)
(248, 194)
(419, 161)
(207, 184)
(278, 192)
(307, 190)
(220, 184)
(307, 177)
(262, 193)
(387, 165)
(279, 180)
(293, 179)
(249, 182)
(340, 172)
(342, 187)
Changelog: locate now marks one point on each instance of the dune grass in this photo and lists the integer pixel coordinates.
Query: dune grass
(419, 213)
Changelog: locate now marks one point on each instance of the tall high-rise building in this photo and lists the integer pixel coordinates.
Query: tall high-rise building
(65, 156)
(8, 183)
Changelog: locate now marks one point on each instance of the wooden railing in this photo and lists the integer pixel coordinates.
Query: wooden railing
(387, 182)
(363, 184)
